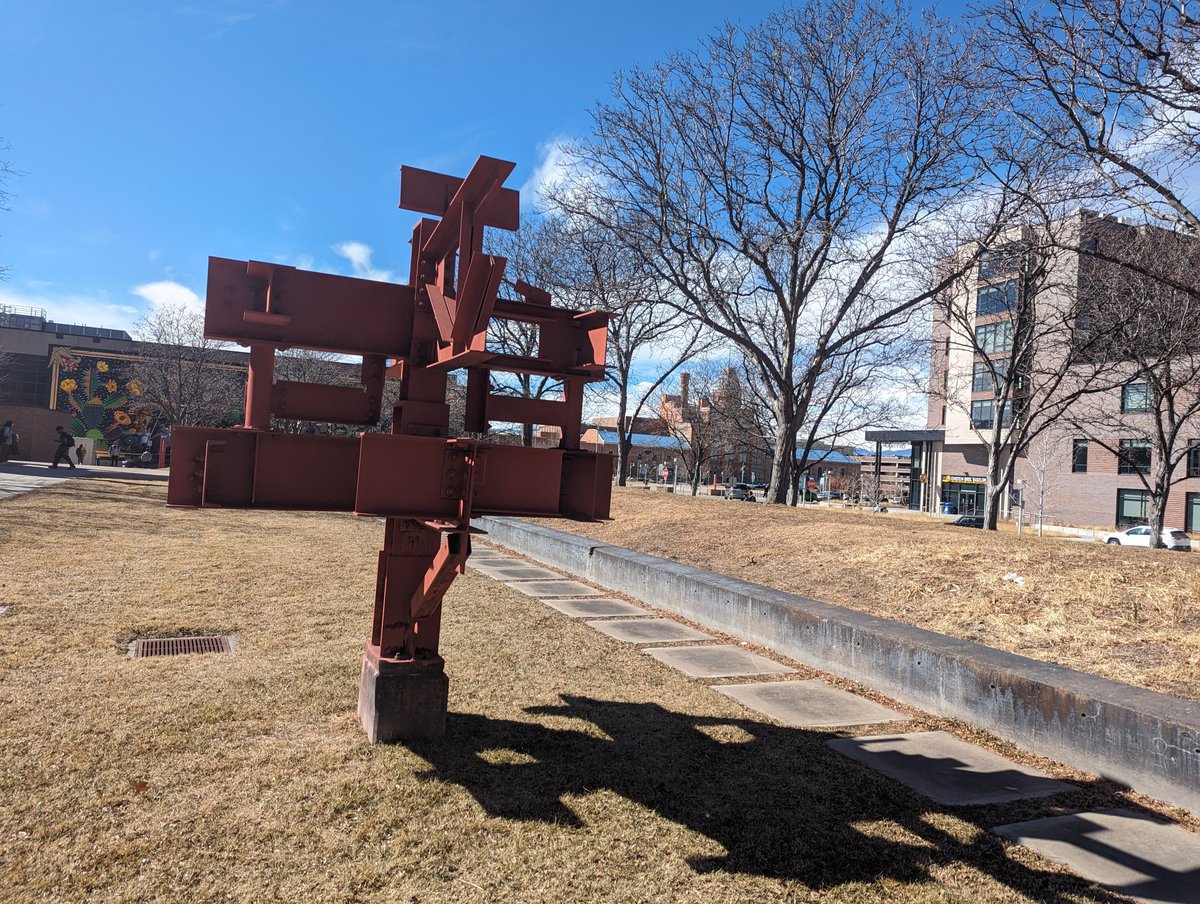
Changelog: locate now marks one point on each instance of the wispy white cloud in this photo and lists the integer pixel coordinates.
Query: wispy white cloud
(169, 294)
(550, 170)
(359, 256)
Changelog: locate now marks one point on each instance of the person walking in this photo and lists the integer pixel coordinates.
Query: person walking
(66, 443)
(8, 437)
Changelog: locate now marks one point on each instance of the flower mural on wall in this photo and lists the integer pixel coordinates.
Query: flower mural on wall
(89, 389)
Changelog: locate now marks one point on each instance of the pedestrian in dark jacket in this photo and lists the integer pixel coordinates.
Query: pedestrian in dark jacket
(66, 443)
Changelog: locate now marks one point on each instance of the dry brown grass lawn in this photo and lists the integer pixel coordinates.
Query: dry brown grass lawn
(1128, 614)
(575, 768)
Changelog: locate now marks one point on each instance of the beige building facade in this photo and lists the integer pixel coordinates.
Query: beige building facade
(1067, 476)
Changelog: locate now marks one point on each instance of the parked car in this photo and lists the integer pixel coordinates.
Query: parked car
(1172, 538)
(740, 491)
(967, 521)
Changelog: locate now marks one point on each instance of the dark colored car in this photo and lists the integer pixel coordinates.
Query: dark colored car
(968, 521)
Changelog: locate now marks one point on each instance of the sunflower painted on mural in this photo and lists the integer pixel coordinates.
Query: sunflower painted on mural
(90, 391)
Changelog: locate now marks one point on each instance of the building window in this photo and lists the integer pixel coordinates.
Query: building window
(1191, 512)
(994, 337)
(983, 414)
(1193, 458)
(1001, 261)
(1135, 397)
(981, 376)
(1134, 457)
(27, 381)
(1133, 507)
(981, 379)
(1079, 452)
(999, 298)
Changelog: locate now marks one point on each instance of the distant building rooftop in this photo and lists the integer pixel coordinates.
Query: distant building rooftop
(828, 456)
(15, 317)
(645, 440)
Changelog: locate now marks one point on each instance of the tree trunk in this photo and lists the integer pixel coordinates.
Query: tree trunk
(1158, 500)
(783, 460)
(622, 464)
(623, 442)
(994, 491)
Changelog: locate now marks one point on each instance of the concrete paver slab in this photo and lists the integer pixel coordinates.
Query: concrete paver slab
(809, 704)
(1131, 854)
(593, 608)
(516, 572)
(554, 588)
(495, 562)
(723, 661)
(486, 552)
(948, 770)
(648, 630)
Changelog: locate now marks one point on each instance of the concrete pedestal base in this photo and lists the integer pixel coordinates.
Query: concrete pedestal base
(401, 701)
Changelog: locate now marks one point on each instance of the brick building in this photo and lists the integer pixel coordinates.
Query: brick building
(63, 374)
(1065, 477)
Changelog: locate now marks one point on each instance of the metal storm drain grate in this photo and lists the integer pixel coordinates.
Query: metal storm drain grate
(180, 646)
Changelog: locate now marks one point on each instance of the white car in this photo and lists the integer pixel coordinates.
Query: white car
(1172, 538)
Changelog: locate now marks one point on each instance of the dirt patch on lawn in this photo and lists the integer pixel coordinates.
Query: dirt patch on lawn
(1128, 614)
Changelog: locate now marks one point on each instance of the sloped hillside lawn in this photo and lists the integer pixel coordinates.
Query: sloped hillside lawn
(1128, 614)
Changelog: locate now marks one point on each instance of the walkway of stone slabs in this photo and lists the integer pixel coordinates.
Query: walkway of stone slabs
(1127, 852)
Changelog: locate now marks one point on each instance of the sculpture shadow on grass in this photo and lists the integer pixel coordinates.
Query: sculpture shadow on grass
(780, 802)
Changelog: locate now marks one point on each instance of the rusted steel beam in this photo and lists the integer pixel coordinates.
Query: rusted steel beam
(422, 191)
(369, 475)
(323, 312)
(518, 410)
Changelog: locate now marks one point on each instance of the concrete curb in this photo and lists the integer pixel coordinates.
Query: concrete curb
(1146, 740)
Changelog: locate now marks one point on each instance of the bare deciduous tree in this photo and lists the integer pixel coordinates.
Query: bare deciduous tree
(786, 183)
(648, 341)
(185, 376)
(1044, 464)
(1115, 86)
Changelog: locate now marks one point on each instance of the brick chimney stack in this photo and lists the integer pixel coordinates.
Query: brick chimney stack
(684, 379)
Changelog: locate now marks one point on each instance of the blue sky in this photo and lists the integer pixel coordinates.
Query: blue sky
(152, 135)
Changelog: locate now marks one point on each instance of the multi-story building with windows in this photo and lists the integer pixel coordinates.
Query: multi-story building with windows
(1084, 470)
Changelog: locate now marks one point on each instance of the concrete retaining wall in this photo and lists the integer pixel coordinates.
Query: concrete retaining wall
(1148, 741)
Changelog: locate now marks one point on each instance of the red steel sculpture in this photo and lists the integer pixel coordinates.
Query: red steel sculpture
(425, 483)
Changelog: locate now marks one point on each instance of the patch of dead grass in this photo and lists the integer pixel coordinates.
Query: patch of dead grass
(1128, 614)
(575, 767)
